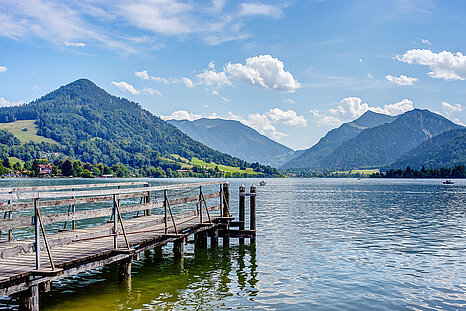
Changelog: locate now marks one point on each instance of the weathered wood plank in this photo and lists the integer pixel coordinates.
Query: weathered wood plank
(49, 195)
(78, 186)
(51, 203)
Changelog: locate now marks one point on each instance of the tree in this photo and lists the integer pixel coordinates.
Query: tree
(35, 170)
(17, 166)
(6, 163)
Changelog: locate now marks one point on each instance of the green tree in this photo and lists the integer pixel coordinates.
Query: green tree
(67, 168)
(6, 163)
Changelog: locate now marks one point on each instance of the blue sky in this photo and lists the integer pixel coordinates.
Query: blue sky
(291, 69)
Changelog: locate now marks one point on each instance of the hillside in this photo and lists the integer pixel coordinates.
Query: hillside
(384, 144)
(313, 157)
(94, 126)
(445, 150)
(234, 138)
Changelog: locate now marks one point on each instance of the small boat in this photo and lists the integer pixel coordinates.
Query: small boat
(448, 182)
(263, 183)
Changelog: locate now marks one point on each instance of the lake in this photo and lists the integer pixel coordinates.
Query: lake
(322, 244)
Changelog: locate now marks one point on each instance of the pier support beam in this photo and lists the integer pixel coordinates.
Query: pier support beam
(242, 204)
(252, 214)
(178, 248)
(29, 299)
(214, 239)
(200, 240)
(124, 268)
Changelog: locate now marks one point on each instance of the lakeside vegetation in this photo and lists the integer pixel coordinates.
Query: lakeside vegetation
(444, 172)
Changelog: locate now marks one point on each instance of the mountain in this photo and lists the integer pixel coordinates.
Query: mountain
(94, 126)
(384, 144)
(313, 157)
(445, 150)
(234, 138)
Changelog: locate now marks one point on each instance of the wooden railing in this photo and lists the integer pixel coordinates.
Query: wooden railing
(32, 200)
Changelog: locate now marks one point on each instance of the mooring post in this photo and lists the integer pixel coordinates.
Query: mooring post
(73, 210)
(165, 210)
(178, 248)
(226, 213)
(10, 232)
(115, 223)
(226, 200)
(242, 203)
(148, 212)
(37, 232)
(29, 299)
(252, 213)
(221, 200)
(124, 268)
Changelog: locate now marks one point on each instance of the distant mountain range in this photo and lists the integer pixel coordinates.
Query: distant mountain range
(236, 139)
(447, 149)
(378, 141)
(314, 157)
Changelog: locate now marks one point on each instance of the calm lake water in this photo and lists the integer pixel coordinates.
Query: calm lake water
(322, 244)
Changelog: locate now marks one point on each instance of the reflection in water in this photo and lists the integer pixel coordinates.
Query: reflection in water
(199, 281)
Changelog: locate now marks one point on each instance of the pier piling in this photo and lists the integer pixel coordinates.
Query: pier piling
(242, 203)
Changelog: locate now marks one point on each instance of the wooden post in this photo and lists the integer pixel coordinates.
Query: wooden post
(252, 214)
(200, 204)
(115, 220)
(178, 248)
(148, 200)
(242, 203)
(10, 232)
(221, 200)
(226, 196)
(165, 210)
(37, 232)
(73, 209)
(124, 268)
(29, 299)
(214, 239)
(200, 240)
(226, 213)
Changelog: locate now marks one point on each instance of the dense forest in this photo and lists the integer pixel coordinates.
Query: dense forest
(94, 127)
(443, 172)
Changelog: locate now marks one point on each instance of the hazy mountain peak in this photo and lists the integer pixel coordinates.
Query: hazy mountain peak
(236, 139)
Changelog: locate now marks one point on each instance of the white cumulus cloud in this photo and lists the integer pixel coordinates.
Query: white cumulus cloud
(142, 74)
(351, 108)
(181, 115)
(214, 79)
(3, 68)
(264, 71)
(401, 80)
(444, 65)
(288, 117)
(124, 86)
(259, 122)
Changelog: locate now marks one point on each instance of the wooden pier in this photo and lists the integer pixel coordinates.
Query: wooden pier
(69, 229)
